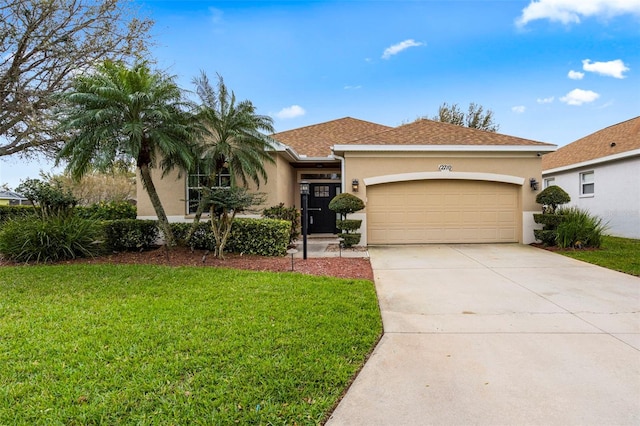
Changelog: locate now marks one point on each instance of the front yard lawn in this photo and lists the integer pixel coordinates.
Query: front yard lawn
(138, 344)
(619, 254)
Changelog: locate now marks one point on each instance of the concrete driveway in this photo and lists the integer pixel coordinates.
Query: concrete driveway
(498, 335)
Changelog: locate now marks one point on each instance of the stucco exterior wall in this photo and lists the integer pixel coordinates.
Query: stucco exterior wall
(524, 165)
(616, 197)
(172, 192)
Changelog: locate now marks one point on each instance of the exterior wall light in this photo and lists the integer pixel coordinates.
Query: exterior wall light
(355, 184)
(533, 183)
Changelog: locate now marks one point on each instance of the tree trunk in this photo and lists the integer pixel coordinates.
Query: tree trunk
(157, 205)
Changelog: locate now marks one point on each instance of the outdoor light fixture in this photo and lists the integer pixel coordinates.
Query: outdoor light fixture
(533, 183)
(355, 184)
(304, 191)
(304, 188)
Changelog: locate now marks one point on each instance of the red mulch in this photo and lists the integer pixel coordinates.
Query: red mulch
(358, 268)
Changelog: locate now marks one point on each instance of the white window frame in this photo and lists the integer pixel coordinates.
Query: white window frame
(587, 181)
(549, 182)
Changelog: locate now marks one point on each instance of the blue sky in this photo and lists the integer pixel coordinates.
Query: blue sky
(551, 70)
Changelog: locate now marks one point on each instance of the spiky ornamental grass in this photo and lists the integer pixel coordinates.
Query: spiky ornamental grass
(96, 344)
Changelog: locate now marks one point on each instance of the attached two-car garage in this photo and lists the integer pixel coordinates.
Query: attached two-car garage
(443, 211)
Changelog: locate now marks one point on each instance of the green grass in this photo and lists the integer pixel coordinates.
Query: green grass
(96, 344)
(619, 254)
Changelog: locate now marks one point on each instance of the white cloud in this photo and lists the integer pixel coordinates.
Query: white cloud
(291, 112)
(570, 11)
(545, 100)
(575, 75)
(579, 97)
(610, 69)
(397, 48)
(348, 87)
(519, 109)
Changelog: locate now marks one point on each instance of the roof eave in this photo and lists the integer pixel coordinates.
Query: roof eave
(441, 148)
(595, 161)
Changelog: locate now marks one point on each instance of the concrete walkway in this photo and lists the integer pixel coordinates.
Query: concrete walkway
(498, 335)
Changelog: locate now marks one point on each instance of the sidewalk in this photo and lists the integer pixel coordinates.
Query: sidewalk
(327, 245)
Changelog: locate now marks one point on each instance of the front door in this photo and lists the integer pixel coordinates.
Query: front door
(321, 219)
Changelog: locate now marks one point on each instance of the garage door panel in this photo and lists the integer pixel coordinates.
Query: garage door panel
(442, 211)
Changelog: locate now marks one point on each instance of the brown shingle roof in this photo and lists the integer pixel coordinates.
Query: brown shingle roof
(316, 140)
(625, 135)
(429, 132)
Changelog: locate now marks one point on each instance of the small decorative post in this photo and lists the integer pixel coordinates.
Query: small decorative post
(304, 190)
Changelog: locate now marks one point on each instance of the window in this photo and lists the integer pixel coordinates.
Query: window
(320, 176)
(587, 183)
(549, 182)
(200, 179)
(321, 191)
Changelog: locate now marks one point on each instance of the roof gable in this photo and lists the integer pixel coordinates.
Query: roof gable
(316, 140)
(612, 140)
(429, 132)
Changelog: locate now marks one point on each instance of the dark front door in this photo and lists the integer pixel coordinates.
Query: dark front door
(321, 219)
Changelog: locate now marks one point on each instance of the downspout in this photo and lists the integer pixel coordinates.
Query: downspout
(342, 171)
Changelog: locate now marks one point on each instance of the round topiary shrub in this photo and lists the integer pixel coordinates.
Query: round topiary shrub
(552, 197)
(346, 203)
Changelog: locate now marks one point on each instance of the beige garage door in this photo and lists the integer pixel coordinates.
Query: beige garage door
(442, 211)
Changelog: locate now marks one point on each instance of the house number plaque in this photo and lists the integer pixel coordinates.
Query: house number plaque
(445, 167)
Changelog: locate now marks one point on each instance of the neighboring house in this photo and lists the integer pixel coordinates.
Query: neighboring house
(601, 173)
(423, 182)
(10, 198)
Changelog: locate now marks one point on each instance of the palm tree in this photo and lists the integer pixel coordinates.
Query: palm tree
(234, 138)
(119, 112)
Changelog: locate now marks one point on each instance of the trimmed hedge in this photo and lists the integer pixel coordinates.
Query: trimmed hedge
(15, 212)
(262, 237)
(112, 210)
(131, 234)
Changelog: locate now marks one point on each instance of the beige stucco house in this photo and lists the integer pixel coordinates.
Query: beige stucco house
(423, 182)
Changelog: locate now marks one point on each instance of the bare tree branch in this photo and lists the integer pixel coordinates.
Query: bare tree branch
(43, 45)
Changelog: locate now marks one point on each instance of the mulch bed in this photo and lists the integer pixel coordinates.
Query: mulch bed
(356, 268)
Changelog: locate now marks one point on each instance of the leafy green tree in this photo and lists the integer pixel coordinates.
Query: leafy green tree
(126, 112)
(234, 137)
(475, 118)
(224, 204)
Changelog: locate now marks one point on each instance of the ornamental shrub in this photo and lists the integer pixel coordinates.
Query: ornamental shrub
(15, 212)
(285, 213)
(551, 197)
(111, 210)
(50, 239)
(346, 203)
(580, 229)
(50, 199)
(131, 234)
(262, 237)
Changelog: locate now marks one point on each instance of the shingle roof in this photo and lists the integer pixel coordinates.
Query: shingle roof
(625, 136)
(429, 132)
(316, 140)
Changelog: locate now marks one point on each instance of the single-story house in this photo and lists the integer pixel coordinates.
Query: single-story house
(423, 182)
(601, 173)
(11, 198)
